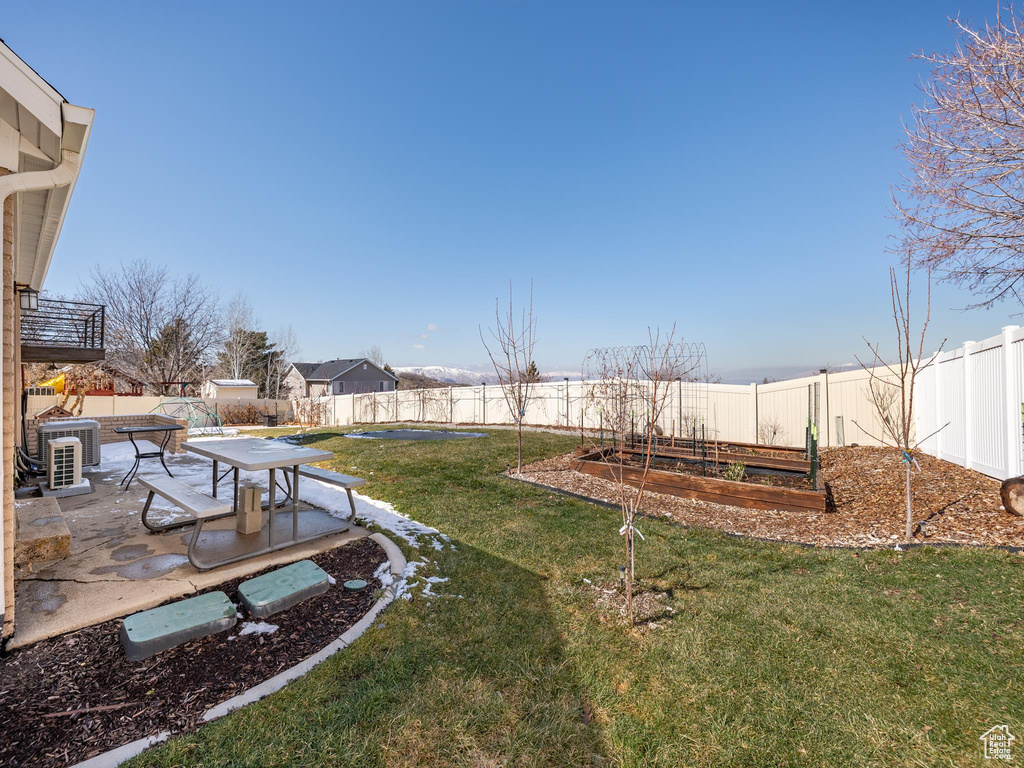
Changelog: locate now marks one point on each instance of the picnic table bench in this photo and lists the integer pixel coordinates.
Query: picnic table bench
(250, 454)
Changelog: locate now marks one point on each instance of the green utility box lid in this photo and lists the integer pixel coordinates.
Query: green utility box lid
(144, 634)
(281, 589)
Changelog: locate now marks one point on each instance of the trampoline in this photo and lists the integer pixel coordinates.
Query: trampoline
(414, 434)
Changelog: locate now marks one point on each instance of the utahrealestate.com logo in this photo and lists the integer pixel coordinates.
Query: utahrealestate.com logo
(998, 742)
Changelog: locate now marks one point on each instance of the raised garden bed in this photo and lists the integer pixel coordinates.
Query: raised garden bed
(684, 483)
(72, 697)
(865, 484)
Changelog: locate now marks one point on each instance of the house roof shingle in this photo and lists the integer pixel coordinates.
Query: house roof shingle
(305, 369)
(331, 369)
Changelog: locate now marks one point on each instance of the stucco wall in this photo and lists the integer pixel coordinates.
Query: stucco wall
(294, 385)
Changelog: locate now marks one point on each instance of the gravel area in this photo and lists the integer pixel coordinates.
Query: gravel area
(958, 505)
(72, 697)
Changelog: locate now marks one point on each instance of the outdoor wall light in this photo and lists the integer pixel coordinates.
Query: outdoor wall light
(29, 300)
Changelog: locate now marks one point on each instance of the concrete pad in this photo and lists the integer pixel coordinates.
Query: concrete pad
(41, 533)
(281, 589)
(117, 568)
(150, 632)
(78, 489)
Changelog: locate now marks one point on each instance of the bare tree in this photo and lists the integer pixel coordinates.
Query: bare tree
(159, 330)
(311, 411)
(770, 431)
(374, 354)
(961, 205)
(891, 386)
(511, 358)
(630, 388)
(240, 341)
(285, 351)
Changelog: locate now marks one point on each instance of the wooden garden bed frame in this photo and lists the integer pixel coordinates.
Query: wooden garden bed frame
(794, 463)
(733, 493)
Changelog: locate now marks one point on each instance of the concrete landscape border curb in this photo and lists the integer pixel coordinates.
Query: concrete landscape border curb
(118, 755)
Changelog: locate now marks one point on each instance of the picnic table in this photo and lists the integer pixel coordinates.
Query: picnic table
(254, 454)
(166, 429)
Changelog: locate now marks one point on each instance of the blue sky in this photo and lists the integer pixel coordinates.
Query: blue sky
(374, 173)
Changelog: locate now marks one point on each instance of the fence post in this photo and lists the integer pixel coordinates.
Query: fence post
(483, 401)
(937, 384)
(1011, 405)
(968, 413)
(753, 409)
(567, 419)
(823, 425)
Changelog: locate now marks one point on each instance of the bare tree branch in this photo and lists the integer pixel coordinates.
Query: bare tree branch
(960, 205)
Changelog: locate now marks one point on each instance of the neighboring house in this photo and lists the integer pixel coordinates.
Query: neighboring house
(351, 376)
(241, 388)
(42, 143)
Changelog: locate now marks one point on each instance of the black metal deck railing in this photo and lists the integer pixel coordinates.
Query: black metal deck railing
(63, 331)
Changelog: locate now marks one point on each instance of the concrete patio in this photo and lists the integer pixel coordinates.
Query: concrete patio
(116, 567)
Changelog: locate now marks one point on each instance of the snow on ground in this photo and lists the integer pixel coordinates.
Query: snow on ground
(218, 431)
(431, 581)
(383, 573)
(258, 628)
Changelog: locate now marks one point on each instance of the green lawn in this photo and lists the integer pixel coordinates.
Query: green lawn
(775, 654)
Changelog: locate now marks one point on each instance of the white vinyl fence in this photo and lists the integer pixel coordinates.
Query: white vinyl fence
(733, 412)
(968, 404)
(126, 405)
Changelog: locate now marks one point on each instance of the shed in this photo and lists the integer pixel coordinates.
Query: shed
(234, 388)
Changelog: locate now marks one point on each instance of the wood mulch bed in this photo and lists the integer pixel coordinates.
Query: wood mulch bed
(959, 506)
(72, 697)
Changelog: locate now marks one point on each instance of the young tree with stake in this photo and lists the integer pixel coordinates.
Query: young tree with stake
(629, 388)
(892, 390)
(511, 357)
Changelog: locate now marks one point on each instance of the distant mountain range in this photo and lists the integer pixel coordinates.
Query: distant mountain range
(474, 375)
(470, 376)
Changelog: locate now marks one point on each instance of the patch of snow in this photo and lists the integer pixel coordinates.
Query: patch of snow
(331, 580)
(123, 453)
(431, 581)
(368, 510)
(383, 573)
(258, 628)
(402, 588)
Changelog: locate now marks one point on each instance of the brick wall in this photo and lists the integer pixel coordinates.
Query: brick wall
(9, 371)
(109, 423)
